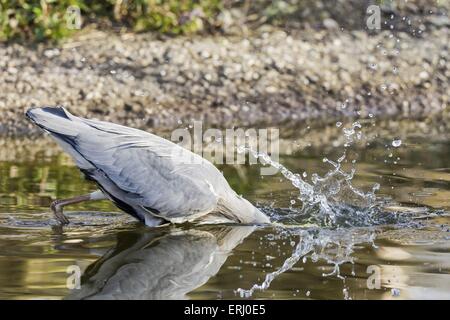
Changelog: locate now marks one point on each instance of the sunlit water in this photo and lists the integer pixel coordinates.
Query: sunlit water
(360, 215)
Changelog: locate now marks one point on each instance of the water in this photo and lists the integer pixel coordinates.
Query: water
(356, 217)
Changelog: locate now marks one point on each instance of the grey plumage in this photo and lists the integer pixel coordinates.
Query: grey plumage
(146, 175)
(159, 264)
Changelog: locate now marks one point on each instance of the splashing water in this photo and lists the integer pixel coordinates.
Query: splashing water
(304, 246)
(331, 209)
(333, 246)
(330, 200)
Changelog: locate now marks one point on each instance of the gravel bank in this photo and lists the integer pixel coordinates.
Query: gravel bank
(268, 77)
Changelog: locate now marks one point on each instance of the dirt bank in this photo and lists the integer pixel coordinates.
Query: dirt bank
(269, 76)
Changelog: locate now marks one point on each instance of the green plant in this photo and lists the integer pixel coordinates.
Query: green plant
(46, 19)
(167, 16)
(35, 19)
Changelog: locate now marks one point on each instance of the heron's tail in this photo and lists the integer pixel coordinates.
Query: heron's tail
(56, 120)
(63, 127)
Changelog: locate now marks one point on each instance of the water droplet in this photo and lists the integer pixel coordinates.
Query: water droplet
(345, 292)
(396, 143)
(349, 132)
(395, 292)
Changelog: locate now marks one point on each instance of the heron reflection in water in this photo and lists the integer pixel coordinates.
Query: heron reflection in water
(165, 263)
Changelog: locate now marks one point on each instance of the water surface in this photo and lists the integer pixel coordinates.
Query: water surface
(402, 234)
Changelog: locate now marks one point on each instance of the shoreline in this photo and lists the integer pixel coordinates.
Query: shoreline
(326, 138)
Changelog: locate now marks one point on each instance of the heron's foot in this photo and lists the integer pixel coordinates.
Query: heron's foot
(57, 209)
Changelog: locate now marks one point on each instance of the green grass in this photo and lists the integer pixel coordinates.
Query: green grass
(39, 20)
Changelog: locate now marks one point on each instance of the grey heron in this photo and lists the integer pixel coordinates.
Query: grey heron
(143, 174)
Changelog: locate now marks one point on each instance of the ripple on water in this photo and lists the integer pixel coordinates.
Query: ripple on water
(26, 225)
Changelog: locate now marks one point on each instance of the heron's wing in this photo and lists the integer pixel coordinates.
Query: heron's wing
(153, 169)
(154, 173)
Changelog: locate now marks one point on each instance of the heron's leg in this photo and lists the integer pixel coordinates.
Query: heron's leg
(58, 205)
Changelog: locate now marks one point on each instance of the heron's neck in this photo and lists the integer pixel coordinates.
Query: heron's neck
(240, 210)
